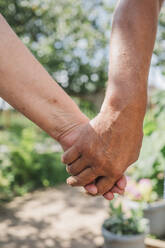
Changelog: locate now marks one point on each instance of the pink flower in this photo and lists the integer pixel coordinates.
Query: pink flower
(140, 191)
(132, 190)
(145, 188)
(145, 182)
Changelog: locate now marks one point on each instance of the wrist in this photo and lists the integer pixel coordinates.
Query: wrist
(120, 115)
(118, 100)
(68, 136)
(70, 123)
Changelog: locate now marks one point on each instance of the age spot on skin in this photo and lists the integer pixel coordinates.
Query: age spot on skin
(52, 101)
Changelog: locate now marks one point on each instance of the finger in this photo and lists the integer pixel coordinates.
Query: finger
(70, 155)
(76, 167)
(91, 188)
(104, 184)
(116, 190)
(122, 182)
(109, 196)
(85, 177)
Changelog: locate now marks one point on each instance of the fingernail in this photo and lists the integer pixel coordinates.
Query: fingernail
(69, 181)
(121, 184)
(109, 196)
(91, 189)
(121, 192)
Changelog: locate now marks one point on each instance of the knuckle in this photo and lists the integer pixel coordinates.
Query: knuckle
(84, 182)
(102, 190)
(95, 171)
(77, 182)
(77, 150)
(117, 173)
(72, 171)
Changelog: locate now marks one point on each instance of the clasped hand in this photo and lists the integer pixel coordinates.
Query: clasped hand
(101, 152)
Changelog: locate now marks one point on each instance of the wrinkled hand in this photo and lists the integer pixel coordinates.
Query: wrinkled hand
(68, 140)
(104, 149)
(118, 188)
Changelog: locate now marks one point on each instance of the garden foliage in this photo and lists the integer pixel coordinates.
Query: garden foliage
(151, 163)
(125, 221)
(27, 161)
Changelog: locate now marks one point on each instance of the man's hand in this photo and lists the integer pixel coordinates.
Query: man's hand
(69, 139)
(41, 99)
(118, 188)
(111, 142)
(105, 148)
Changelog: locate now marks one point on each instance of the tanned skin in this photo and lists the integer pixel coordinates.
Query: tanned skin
(112, 140)
(99, 150)
(26, 85)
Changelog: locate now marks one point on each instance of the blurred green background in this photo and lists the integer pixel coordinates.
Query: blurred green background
(71, 40)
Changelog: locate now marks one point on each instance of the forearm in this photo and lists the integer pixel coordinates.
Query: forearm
(26, 85)
(131, 46)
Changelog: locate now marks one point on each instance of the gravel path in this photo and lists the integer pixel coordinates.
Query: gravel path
(61, 217)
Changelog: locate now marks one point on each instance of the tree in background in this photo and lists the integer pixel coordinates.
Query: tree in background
(69, 37)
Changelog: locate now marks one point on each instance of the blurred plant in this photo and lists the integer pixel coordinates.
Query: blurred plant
(125, 221)
(23, 169)
(159, 59)
(158, 102)
(69, 37)
(150, 124)
(29, 158)
(152, 157)
(141, 191)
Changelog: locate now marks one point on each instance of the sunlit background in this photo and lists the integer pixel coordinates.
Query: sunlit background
(70, 38)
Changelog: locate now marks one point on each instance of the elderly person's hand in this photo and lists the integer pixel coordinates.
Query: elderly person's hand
(111, 142)
(68, 141)
(106, 146)
(41, 99)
